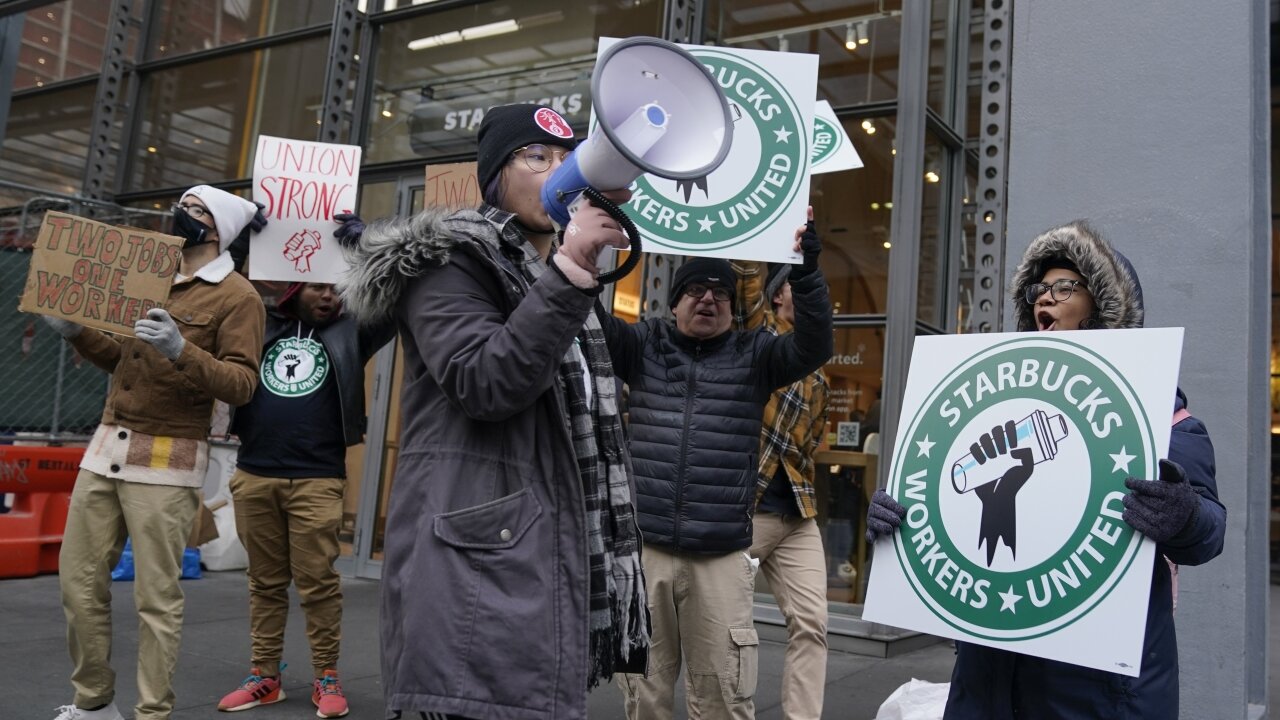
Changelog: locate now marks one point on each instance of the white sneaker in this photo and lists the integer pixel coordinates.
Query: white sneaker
(71, 712)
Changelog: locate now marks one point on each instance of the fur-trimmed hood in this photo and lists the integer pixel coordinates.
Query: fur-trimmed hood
(1110, 277)
(393, 252)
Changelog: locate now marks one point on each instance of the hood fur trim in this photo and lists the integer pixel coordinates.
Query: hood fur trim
(1111, 279)
(393, 252)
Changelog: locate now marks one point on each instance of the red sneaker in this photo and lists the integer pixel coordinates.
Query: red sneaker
(254, 691)
(326, 695)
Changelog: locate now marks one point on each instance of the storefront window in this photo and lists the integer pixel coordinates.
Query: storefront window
(845, 472)
(436, 74)
(853, 210)
(186, 26)
(200, 122)
(857, 42)
(931, 280)
(46, 141)
(61, 41)
(941, 95)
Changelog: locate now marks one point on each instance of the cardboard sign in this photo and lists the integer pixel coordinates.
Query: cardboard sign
(303, 185)
(832, 149)
(99, 275)
(1024, 548)
(452, 186)
(754, 201)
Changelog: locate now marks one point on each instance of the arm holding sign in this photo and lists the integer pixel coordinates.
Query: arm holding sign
(788, 358)
(230, 372)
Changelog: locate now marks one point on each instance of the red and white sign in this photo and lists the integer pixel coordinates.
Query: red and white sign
(303, 184)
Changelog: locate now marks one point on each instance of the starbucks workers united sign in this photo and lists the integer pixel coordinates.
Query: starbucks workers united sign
(751, 205)
(1011, 457)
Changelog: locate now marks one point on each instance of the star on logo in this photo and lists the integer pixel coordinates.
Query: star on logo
(705, 224)
(1009, 601)
(1122, 459)
(925, 446)
(783, 135)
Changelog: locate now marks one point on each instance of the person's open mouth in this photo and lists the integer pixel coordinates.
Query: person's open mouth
(1046, 321)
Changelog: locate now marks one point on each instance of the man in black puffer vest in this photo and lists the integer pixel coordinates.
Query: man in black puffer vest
(697, 397)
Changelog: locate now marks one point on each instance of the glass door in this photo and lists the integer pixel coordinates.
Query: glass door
(403, 197)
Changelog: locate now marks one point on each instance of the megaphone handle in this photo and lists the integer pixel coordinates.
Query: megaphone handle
(628, 227)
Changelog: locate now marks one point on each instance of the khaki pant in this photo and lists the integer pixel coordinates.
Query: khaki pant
(289, 529)
(793, 561)
(701, 608)
(158, 518)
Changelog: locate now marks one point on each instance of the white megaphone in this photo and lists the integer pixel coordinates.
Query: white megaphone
(658, 111)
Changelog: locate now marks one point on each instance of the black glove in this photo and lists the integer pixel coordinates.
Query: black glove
(239, 248)
(351, 230)
(810, 247)
(1161, 509)
(259, 220)
(884, 515)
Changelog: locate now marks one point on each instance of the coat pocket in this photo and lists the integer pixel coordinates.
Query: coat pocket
(743, 662)
(495, 525)
(195, 325)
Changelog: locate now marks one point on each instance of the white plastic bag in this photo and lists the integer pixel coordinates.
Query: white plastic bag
(915, 700)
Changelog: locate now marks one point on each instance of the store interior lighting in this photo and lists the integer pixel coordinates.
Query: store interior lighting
(783, 44)
(472, 33)
(850, 38)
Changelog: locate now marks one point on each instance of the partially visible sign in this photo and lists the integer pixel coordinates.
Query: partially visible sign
(452, 186)
(832, 150)
(98, 275)
(848, 434)
(751, 205)
(303, 185)
(1011, 462)
(444, 125)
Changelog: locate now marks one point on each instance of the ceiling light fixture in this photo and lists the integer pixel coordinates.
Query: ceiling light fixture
(863, 36)
(850, 38)
(783, 44)
(932, 176)
(472, 33)
(386, 108)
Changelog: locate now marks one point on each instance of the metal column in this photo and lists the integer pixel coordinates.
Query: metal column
(97, 180)
(342, 50)
(989, 265)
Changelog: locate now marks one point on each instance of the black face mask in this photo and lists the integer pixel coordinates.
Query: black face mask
(192, 231)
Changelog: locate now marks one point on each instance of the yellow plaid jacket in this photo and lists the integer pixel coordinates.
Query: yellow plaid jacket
(796, 416)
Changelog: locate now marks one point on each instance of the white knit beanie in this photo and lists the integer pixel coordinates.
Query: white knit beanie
(231, 213)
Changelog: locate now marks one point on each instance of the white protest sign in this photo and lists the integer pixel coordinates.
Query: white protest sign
(751, 205)
(1056, 573)
(832, 149)
(303, 184)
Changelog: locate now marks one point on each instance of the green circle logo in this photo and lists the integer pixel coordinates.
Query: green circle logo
(1012, 473)
(827, 139)
(757, 182)
(294, 367)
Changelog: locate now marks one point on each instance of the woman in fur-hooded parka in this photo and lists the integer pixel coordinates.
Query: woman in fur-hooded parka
(991, 684)
(487, 585)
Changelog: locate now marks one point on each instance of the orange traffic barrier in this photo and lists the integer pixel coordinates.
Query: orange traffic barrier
(41, 479)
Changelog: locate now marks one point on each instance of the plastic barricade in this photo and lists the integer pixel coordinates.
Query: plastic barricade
(41, 480)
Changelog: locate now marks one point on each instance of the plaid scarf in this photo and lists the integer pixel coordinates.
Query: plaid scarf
(618, 609)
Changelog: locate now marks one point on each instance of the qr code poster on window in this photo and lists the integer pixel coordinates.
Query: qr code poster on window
(848, 433)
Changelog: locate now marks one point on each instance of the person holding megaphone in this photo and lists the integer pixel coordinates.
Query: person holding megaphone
(511, 579)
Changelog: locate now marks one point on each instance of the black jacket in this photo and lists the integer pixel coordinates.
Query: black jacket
(695, 416)
(349, 346)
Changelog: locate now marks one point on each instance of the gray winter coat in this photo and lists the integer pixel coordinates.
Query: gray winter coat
(485, 578)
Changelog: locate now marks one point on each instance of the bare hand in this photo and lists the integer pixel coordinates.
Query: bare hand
(591, 230)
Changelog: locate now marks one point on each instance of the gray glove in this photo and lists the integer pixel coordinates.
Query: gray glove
(1161, 509)
(159, 329)
(884, 515)
(65, 328)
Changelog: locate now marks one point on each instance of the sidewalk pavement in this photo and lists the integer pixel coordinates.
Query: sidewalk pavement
(215, 657)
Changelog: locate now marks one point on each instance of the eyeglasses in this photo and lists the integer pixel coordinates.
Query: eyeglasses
(538, 157)
(1060, 290)
(195, 211)
(697, 290)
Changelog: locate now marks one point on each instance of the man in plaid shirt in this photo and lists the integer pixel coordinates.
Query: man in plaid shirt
(785, 537)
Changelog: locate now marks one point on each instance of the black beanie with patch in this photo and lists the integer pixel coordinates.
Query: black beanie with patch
(507, 128)
(705, 270)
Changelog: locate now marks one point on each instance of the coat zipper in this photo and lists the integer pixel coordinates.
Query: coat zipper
(684, 443)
